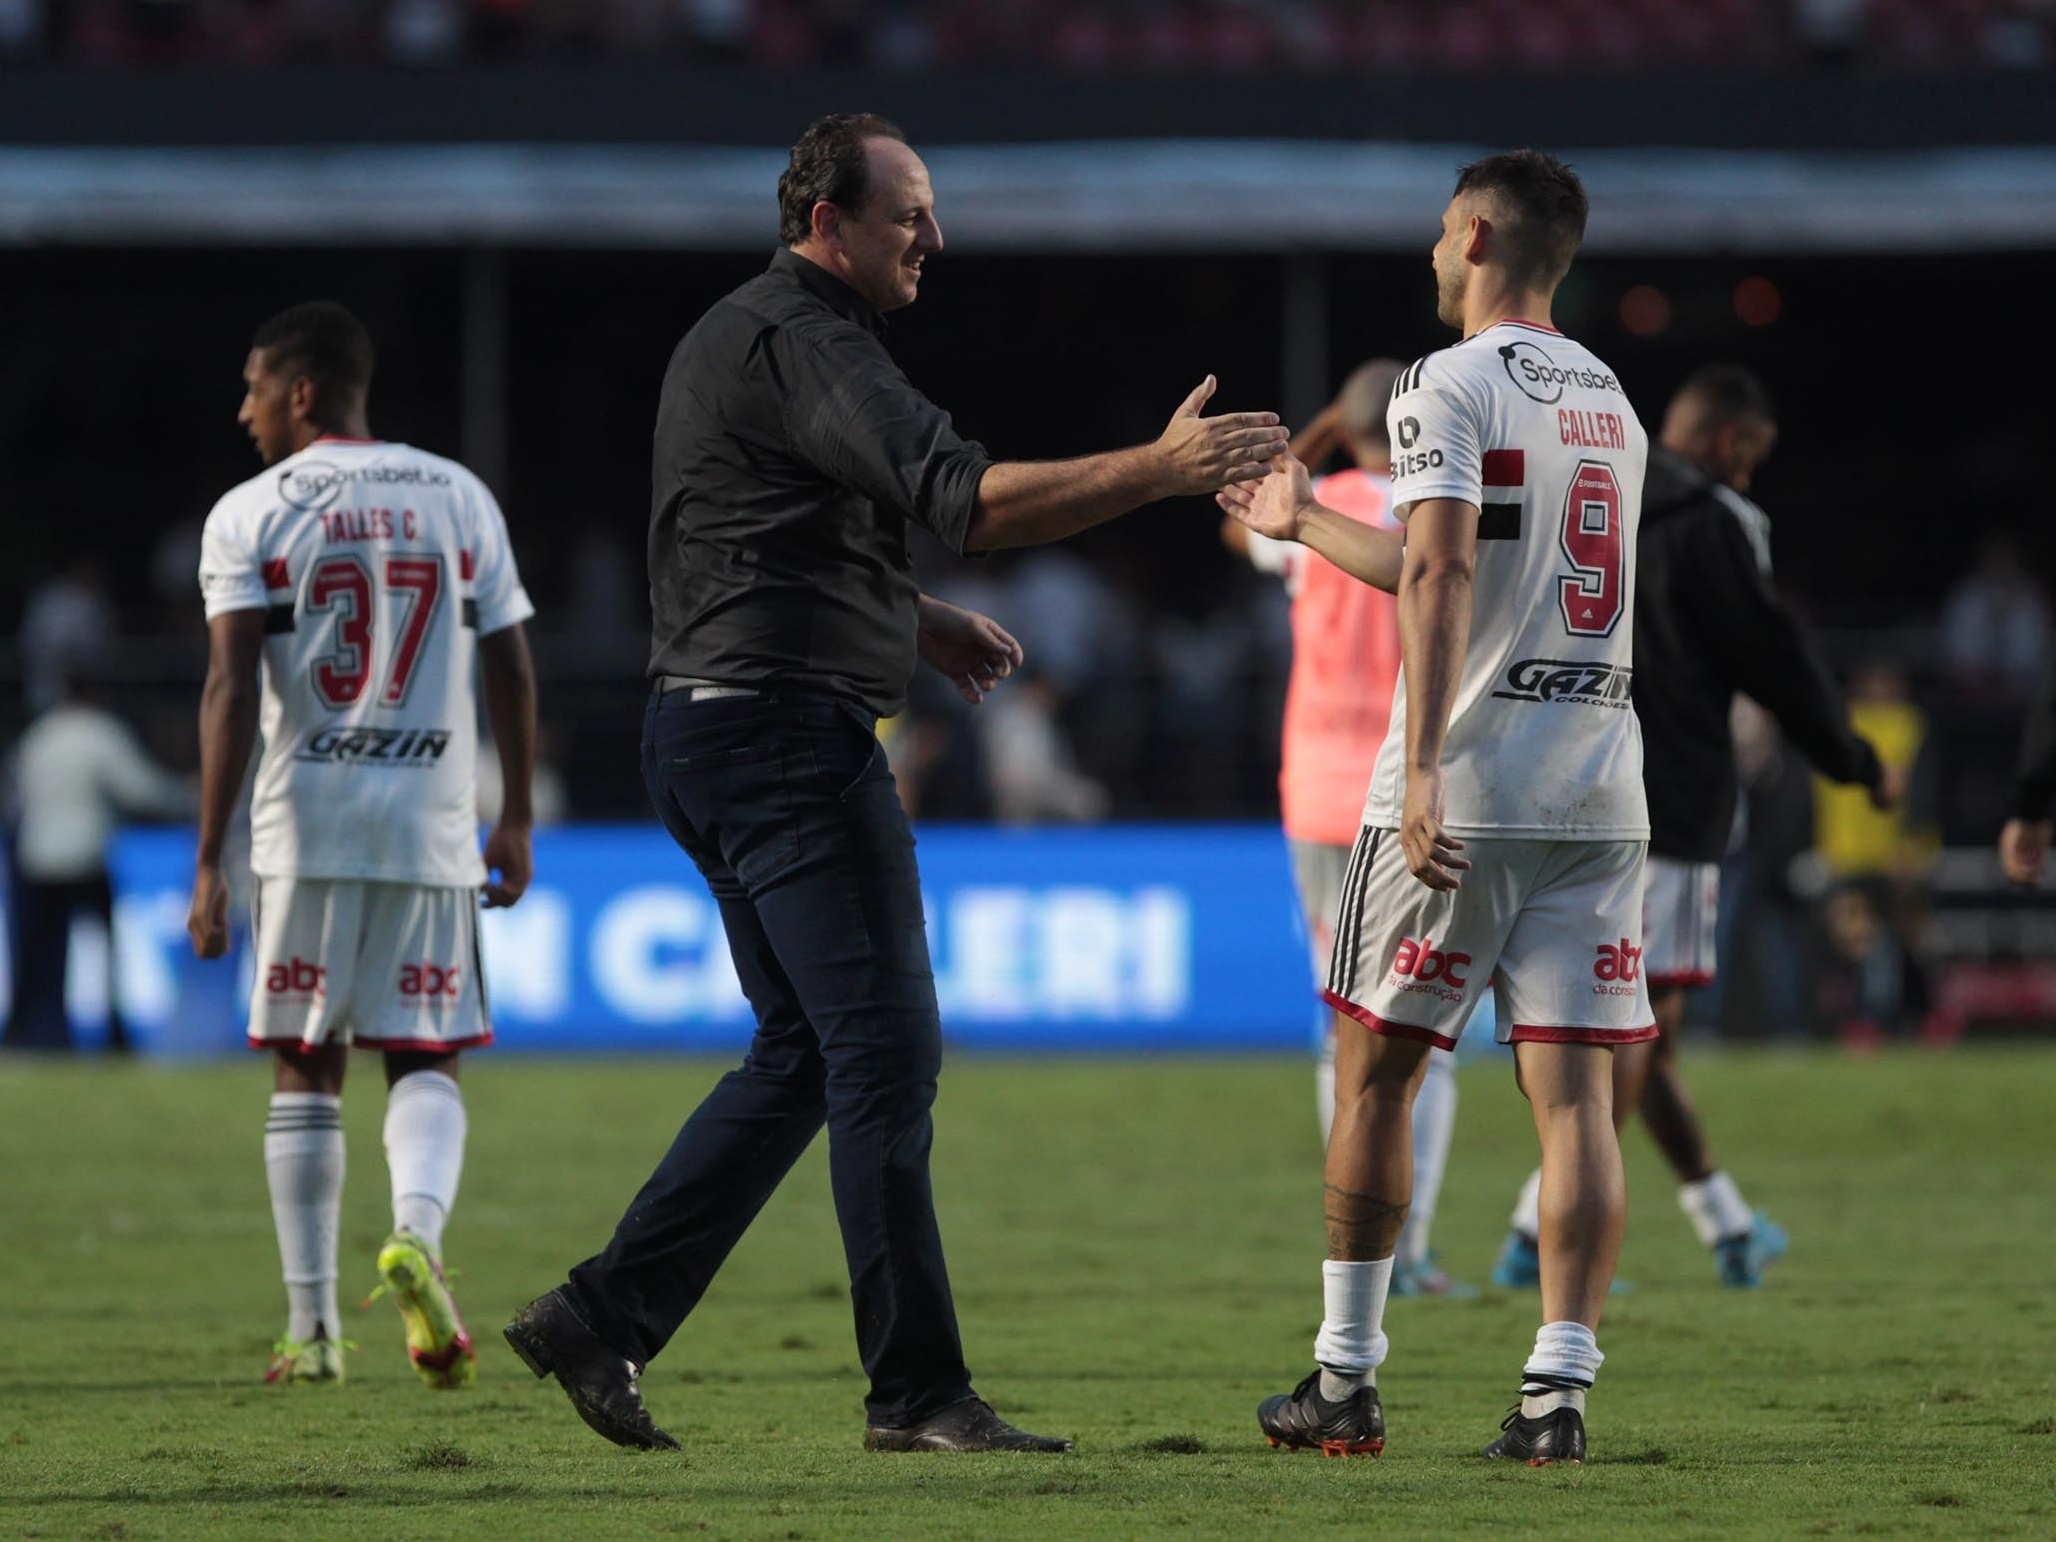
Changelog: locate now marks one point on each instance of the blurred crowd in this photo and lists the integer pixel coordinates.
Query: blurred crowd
(1138, 703)
(1072, 35)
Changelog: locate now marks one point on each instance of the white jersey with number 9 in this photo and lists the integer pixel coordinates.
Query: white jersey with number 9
(1535, 431)
(378, 566)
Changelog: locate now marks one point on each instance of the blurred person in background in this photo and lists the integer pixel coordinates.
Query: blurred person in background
(79, 771)
(792, 459)
(2024, 842)
(21, 28)
(350, 590)
(1034, 776)
(1766, 966)
(1874, 849)
(68, 627)
(1708, 624)
(1995, 630)
(1338, 703)
(549, 803)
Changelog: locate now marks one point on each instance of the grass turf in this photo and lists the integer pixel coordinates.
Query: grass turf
(1135, 1247)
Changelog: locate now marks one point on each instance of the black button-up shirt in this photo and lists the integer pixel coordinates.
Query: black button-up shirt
(791, 454)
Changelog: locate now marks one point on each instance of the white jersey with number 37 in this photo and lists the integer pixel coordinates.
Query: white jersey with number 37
(378, 567)
(1535, 431)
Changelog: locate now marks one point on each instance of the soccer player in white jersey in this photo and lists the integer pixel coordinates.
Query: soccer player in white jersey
(1504, 834)
(359, 581)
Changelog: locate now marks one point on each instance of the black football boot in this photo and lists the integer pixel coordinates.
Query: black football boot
(1302, 1420)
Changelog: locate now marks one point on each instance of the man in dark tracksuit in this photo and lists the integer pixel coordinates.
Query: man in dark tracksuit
(1708, 623)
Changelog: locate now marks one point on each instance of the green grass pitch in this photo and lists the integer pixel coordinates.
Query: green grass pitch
(1136, 1250)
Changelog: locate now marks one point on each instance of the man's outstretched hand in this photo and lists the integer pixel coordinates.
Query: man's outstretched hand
(1203, 455)
(974, 651)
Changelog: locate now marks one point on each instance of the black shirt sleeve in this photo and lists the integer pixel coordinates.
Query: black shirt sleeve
(853, 416)
(2034, 780)
(1739, 616)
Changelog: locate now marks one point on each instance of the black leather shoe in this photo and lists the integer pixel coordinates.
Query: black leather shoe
(967, 1426)
(550, 1338)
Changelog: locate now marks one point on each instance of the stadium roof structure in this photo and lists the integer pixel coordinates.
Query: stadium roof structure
(1137, 195)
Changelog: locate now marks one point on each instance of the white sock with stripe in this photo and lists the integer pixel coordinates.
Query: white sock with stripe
(303, 1161)
(424, 1140)
(1563, 1367)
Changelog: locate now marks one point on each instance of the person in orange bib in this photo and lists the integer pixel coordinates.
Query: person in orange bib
(1345, 659)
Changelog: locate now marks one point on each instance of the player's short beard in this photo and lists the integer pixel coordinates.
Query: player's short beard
(1449, 299)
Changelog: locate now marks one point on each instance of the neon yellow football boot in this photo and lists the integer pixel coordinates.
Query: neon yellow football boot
(317, 1359)
(437, 1342)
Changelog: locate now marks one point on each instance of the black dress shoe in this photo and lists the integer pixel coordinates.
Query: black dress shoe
(967, 1426)
(550, 1338)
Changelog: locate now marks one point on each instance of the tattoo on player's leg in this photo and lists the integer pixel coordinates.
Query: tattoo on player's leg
(1362, 1226)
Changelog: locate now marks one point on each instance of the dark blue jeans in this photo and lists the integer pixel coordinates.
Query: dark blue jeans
(787, 807)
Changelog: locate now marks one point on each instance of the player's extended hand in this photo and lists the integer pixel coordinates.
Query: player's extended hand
(1278, 505)
(2024, 849)
(207, 919)
(974, 651)
(1890, 791)
(1203, 455)
(1431, 852)
(510, 852)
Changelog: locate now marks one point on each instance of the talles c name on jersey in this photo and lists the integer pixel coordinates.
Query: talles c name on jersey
(409, 747)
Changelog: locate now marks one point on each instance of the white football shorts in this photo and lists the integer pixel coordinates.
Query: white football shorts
(1553, 927)
(381, 965)
(1680, 908)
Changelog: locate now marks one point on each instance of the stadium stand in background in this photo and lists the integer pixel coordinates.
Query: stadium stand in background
(532, 199)
(1199, 36)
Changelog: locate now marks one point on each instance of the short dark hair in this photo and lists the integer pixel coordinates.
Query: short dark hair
(828, 165)
(325, 342)
(1730, 392)
(1548, 205)
(1364, 397)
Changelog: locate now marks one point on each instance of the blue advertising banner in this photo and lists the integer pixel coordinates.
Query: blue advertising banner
(1113, 938)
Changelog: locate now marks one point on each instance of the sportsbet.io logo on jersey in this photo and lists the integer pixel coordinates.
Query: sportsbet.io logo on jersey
(415, 748)
(315, 484)
(1541, 379)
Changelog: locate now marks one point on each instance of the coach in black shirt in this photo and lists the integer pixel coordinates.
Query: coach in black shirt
(791, 455)
(1709, 623)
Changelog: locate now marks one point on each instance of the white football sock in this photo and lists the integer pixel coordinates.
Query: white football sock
(1527, 1210)
(1352, 1344)
(1324, 1085)
(1566, 1361)
(1434, 1125)
(303, 1159)
(424, 1141)
(1716, 1209)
